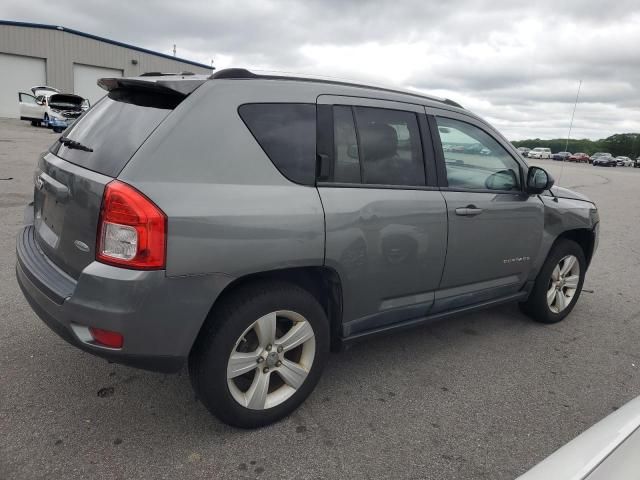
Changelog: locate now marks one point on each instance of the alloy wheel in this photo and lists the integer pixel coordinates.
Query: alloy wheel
(563, 283)
(271, 360)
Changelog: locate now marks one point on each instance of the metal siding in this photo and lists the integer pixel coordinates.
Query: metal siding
(62, 49)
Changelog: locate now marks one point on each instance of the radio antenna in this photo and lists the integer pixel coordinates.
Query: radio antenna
(573, 114)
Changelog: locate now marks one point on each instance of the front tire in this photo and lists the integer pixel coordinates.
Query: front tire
(558, 285)
(260, 354)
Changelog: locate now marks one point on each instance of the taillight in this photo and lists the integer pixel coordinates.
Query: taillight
(132, 230)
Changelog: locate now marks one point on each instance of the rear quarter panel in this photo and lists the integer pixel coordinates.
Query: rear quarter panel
(229, 209)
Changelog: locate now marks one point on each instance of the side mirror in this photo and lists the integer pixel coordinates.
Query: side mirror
(538, 180)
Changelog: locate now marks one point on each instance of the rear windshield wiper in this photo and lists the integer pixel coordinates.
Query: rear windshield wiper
(67, 142)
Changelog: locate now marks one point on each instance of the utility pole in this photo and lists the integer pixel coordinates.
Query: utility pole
(174, 49)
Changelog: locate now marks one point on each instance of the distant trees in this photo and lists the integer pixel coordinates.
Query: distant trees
(626, 144)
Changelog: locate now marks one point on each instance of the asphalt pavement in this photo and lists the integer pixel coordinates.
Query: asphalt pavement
(486, 395)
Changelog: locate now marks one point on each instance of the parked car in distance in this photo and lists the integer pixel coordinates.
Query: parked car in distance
(605, 160)
(606, 451)
(598, 154)
(579, 158)
(303, 215)
(562, 156)
(524, 151)
(624, 161)
(540, 153)
(637, 163)
(453, 148)
(46, 105)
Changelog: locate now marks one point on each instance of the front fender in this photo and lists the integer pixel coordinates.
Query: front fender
(561, 216)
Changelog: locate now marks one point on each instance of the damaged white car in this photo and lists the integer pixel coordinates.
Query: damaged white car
(49, 107)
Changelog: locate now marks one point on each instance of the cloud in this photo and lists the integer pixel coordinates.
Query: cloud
(515, 63)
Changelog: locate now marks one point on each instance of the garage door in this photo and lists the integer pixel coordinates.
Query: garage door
(19, 74)
(85, 78)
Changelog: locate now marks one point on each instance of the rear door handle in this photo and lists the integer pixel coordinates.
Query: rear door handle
(468, 211)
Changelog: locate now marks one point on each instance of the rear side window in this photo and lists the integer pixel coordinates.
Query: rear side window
(115, 128)
(287, 134)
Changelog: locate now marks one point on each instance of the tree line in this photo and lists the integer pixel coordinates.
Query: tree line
(620, 144)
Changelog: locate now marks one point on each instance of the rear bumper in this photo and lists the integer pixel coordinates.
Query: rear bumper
(159, 316)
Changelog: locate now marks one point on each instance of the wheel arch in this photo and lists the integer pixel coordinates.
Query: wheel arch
(320, 281)
(582, 236)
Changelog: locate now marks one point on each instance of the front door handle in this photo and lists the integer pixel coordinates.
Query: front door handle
(468, 211)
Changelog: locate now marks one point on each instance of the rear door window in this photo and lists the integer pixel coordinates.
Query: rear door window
(347, 163)
(115, 128)
(386, 150)
(390, 147)
(287, 134)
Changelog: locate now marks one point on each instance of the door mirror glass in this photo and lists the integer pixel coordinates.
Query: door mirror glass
(502, 180)
(538, 180)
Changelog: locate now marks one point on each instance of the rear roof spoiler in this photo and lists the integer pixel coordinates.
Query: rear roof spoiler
(162, 84)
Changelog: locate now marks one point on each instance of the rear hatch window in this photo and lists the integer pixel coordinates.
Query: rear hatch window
(114, 129)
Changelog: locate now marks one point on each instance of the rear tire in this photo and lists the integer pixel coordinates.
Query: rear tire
(555, 291)
(241, 327)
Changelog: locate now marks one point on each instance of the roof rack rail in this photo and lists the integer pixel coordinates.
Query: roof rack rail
(452, 103)
(234, 73)
(243, 73)
(163, 74)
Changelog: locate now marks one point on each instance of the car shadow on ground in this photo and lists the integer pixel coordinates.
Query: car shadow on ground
(166, 402)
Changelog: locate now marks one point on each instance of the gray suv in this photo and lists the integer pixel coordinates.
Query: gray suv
(246, 225)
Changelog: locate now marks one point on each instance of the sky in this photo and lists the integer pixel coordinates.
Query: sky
(517, 64)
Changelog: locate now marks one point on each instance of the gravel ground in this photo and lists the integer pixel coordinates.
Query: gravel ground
(486, 395)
